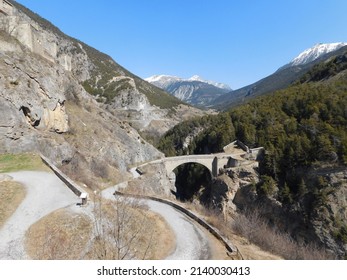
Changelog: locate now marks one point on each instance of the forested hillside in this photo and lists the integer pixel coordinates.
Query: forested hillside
(301, 126)
(304, 132)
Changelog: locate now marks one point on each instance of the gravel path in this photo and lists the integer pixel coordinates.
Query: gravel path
(191, 242)
(45, 194)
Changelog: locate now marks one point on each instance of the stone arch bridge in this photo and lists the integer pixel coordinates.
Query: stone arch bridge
(213, 162)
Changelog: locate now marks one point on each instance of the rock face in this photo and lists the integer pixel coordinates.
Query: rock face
(36, 90)
(329, 219)
(122, 93)
(153, 182)
(45, 108)
(225, 190)
(325, 226)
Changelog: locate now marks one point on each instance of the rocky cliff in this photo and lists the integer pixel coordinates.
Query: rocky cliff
(112, 85)
(325, 226)
(49, 104)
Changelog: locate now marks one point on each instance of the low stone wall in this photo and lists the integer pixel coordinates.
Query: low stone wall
(67, 181)
(242, 146)
(256, 152)
(232, 250)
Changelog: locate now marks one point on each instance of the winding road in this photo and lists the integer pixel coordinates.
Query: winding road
(191, 242)
(46, 193)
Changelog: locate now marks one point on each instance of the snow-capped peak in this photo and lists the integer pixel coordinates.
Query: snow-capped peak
(159, 78)
(219, 85)
(315, 52)
(196, 78)
(163, 81)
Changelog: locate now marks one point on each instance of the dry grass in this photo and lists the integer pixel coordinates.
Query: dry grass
(255, 239)
(155, 242)
(250, 251)
(125, 229)
(254, 228)
(246, 249)
(65, 234)
(11, 195)
(61, 235)
(164, 243)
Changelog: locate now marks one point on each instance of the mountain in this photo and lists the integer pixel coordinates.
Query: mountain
(119, 91)
(74, 104)
(195, 90)
(303, 176)
(314, 53)
(283, 77)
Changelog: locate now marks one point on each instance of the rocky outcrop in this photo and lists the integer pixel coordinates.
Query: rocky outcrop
(34, 89)
(225, 190)
(329, 221)
(44, 107)
(154, 181)
(121, 92)
(325, 225)
(37, 38)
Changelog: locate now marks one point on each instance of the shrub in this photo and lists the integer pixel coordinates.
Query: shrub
(253, 226)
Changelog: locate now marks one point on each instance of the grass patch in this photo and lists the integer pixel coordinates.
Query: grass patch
(11, 195)
(18, 162)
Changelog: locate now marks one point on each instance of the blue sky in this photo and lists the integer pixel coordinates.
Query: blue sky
(233, 41)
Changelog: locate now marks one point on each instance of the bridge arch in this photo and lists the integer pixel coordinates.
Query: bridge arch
(210, 163)
(190, 180)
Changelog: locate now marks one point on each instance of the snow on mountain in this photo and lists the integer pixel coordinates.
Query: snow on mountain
(163, 81)
(219, 85)
(315, 52)
(194, 90)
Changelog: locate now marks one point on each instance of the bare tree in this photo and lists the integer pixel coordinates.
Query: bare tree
(121, 229)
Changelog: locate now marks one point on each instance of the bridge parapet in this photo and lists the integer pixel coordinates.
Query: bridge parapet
(213, 162)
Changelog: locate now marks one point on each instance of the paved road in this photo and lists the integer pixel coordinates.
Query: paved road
(45, 194)
(191, 242)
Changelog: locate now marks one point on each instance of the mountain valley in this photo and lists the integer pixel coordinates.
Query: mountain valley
(101, 125)
(301, 185)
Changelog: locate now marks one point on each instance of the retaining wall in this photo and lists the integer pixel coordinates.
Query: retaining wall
(68, 182)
